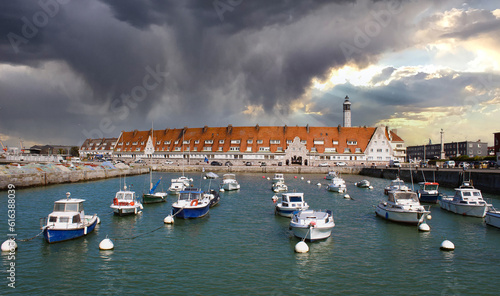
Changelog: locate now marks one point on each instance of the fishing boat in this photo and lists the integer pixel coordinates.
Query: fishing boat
(229, 182)
(126, 203)
(467, 201)
(492, 217)
(179, 184)
(402, 206)
(331, 174)
(279, 187)
(290, 202)
(278, 177)
(152, 196)
(428, 192)
(192, 203)
(396, 184)
(312, 224)
(68, 221)
(363, 184)
(337, 185)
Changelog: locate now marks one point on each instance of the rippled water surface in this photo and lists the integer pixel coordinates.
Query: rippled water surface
(243, 248)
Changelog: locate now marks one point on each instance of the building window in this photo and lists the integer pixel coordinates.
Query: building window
(352, 143)
(119, 149)
(330, 150)
(274, 142)
(176, 142)
(220, 149)
(335, 142)
(142, 143)
(303, 142)
(399, 145)
(221, 141)
(264, 149)
(158, 142)
(207, 148)
(120, 144)
(358, 150)
(166, 142)
(209, 141)
(386, 150)
(138, 149)
(195, 148)
(289, 141)
(319, 142)
(177, 149)
(260, 141)
(235, 141)
(234, 148)
(197, 142)
(186, 142)
(313, 149)
(280, 149)
(379, 150)
(249, 149)
(347, 150)
(187, 149)
(249, 141)
(134, 143)
(128, 143)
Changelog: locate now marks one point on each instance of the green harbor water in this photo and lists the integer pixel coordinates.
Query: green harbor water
(242, 248)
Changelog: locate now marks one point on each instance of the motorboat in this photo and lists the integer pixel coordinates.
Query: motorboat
(402, 206)
(152, 196)
(363, 184)
(229, 182)
(492, 217)
(331, 174)
(312, 224)
(337, 185)
(68, 221)
(467, 201)
(428, 192)
(126, 203)
(290, 202)
(279, 187)
(179, 184)
(214, 197)
(278, 177)
(192, 203)
(396, 184)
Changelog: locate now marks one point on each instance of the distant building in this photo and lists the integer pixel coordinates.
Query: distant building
(92, 148)
(454, 149)
(303, 145)
(347, 112)
(51, 149)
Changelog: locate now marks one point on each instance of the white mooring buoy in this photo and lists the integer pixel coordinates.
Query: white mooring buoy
(424, 227)
(446, 245)
(429, 217)
(9, 245)
(308, 181)
(301, 247)
(221, 190)
(319, 184)
(268, 178)
(106, 244)
(301, 178)
(371, 187)
(168, 220)
(347, 196)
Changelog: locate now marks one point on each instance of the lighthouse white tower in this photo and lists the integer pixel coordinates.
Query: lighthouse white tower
(347, 112)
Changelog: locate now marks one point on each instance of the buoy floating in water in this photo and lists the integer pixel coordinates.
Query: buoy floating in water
(168, 220)
(9, 246)
(446, 245)
(295, 177)
(308, 181)
(268, 178)
(106, 244)
(429, 217)
(371, 187)
(301, 247)
(221, 190)
(301, 178)
(347, 196)
(263, 177)
(424, 227)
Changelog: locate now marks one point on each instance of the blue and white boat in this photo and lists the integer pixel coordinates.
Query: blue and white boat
(68, 221)
(467, 201)
(290, 202)
(192, 203)
(428, 192)
(229, 182)
(126, 203)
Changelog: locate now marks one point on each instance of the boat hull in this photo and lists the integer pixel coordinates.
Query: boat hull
(406, 217)
(125, 210)
(428, 198)
(230, 186)
(152, 198)
(58, 235)
(338, 189)
(493, 218)
(190, 212)
(462, 209)
(311, 233)
(287, 211)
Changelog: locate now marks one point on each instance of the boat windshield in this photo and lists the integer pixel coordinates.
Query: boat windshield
(189, 195)
(476, 193)
(405, 196)
(228, 177)
(398, 183)
(125, 195)
(430, 187)
(68, 207)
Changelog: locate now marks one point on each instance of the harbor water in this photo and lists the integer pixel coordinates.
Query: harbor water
(243, 248)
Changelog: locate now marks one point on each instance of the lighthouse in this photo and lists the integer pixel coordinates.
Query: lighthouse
(347, 112)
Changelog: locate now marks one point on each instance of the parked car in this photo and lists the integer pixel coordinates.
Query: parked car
(169, 162)
(449, 164)
(262, 164)
(228, 163)
(139, 161)
(280, 163)
(323, 164)
(341, 163)
(216, 163)
(248, 163)
(463, 164)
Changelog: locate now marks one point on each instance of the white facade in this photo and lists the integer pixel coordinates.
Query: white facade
(379, 148)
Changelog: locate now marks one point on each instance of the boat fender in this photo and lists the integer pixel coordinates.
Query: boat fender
(135, 211)
(194, 202)
(131, 203)
(312, 224)
(85, 230)
(115, 201)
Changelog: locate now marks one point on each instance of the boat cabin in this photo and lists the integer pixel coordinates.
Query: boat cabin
(292, 199)
(470, 196)
(403, 197)
(228, 177)
(125, 195)
(67, 211)
(428, 186)
(190, 194)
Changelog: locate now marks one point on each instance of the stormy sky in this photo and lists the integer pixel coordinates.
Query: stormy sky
(70, 70)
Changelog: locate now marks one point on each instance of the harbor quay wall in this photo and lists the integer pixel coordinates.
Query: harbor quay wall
(487, 180)
(23, 180)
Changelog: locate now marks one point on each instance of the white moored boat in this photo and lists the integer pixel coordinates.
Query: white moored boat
(337, 185)
(312, 225)
(467, 201)
(229, 182)
(279, 187)
(402, 206)
(331, 175)
(290, 202)
(396, 184)
(492, 217)
(179, 184)
(126, 203)
(363, 184)
(278, 178)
